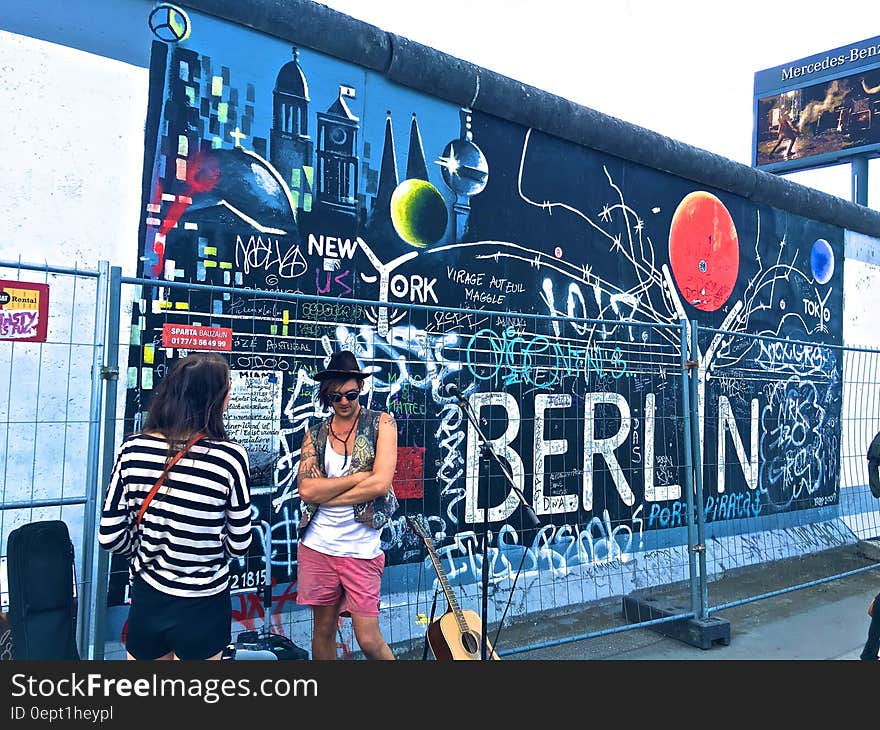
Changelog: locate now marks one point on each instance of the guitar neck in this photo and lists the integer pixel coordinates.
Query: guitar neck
(444, 582)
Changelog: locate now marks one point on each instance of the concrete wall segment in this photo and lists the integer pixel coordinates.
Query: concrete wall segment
(308, 23)
(439, 74)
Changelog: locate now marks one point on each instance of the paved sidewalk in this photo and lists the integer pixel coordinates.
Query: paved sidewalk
(822, 622)
(827, 621)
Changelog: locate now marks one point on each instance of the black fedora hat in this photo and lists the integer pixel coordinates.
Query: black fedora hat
(342, 365)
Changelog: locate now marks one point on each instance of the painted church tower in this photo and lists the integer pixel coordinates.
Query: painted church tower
(337, 168)
(291, 149)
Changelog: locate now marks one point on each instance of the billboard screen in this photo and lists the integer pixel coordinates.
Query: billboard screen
(818, 111)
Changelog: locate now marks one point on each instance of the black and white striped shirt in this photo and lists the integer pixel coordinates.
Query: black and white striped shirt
(196, 522)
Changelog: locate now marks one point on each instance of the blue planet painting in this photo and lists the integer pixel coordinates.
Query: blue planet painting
(822, 261)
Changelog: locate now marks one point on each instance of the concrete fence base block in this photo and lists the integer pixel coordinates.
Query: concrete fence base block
(702, 633)
(870, 549)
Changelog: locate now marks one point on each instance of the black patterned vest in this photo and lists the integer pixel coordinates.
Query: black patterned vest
(374, 513)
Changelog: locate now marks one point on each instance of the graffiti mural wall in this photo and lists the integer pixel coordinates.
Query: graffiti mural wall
(543, 279)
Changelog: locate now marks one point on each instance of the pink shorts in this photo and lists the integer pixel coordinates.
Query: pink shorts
(330, 580)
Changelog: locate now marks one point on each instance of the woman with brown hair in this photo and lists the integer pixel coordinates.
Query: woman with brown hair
(178, 505)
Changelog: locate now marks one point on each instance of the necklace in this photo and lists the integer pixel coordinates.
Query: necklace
(344, 441)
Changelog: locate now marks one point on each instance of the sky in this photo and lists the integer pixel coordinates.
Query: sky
(683, 68)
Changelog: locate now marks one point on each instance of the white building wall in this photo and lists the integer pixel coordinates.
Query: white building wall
(71, 159)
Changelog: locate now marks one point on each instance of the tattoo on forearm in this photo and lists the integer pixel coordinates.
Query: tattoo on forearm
(308, 452)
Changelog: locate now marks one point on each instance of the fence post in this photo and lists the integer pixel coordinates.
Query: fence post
(110, 373)
(688, 467)
(86, 599)
(696, 439)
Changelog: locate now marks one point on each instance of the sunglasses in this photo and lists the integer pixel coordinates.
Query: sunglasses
(350, 396)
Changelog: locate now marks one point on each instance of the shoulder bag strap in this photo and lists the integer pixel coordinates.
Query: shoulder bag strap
(161, 479)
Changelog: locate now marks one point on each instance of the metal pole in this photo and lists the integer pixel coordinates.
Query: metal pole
(86, 598)
(698, 469)
(859, 170)
(484, 584)
(110, 373)
(689, 466)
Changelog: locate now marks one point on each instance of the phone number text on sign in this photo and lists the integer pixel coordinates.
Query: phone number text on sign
(196, 337)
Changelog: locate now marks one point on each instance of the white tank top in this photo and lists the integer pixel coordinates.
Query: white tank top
(333, 530)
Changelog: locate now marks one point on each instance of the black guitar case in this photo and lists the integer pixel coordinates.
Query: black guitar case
(42, 604)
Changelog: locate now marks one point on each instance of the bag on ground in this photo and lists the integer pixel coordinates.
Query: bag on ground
(42, 601)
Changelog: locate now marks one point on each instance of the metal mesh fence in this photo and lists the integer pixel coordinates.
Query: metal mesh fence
(49, 409)
(790, 481)
(554, 400)
(651, 466)
(859, 424)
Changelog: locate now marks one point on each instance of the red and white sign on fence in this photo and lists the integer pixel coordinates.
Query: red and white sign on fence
(24, 311)
(196, 337)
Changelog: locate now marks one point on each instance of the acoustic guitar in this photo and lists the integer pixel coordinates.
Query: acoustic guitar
(457, 633)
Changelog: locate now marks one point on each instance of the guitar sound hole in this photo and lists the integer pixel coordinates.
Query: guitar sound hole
(470, 643)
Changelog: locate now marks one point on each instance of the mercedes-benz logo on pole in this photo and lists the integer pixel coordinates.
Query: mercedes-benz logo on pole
(169, 23)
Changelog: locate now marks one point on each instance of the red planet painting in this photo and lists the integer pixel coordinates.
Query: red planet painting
(703, 251)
